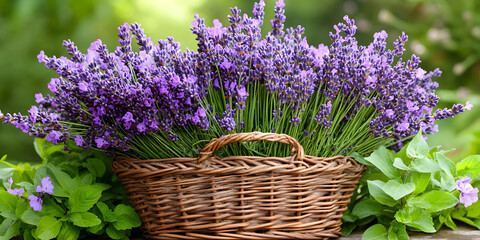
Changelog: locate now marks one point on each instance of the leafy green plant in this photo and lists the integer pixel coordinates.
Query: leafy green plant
(413, 190)
(86, 200)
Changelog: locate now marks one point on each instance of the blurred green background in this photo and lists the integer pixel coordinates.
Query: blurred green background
(444, 33)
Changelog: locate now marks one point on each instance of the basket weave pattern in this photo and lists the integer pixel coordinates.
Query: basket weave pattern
(241, 197)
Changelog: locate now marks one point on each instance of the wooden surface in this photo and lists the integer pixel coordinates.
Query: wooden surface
(462, 233)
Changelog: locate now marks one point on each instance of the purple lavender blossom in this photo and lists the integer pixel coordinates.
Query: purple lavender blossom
(173, 137)
(277, 23)
(77, 56)
(79, 140)
(107, 99)
(41, 57)
(141, 127)
(54, 137)
(35, 203)
(54, 84)
(45, 187)
(323, 114)
(101, 143)
(39, 98)
(128, 120)
(227, 122)
(295, 120)
(82, 86)
(468, 194)
(403, 126)
(33, 112)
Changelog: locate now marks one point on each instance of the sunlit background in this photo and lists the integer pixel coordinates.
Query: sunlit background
(444, 33)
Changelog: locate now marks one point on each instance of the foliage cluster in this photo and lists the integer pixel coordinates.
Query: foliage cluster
(416, 189)
(86, 200)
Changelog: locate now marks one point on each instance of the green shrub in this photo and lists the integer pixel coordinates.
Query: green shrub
(87, 199)
(416, 189)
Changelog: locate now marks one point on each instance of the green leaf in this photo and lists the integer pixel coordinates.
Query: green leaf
(398, 190)
(22, 206)
(127, 217)
(418, 147)
(50, 207)
(425, 165)
(382, 158)
(376, 190)
(30, 217)
(367, 207)
(392, 236)
(416, 218)
(82, 199)
(375, 232)
(27, 234)
(398, 230)
(97, 230)
(446, 183)
(68, 232)
(102, 186)
(7, 201)
(473, 211)
(433, 150)
(50, 149)
(38, 145)
(27, 186)
(6, 224)
(446, 152)
(116, 234)
(402, 154)
(48, 228)
(374, 176)
(9, 229)
(87, 179)
(456, 215)
(348, 216)
(449, 222)
(434, 201)
(347, 228)
(40, 174)
(359, 158)
(8, 204)
(446, 165)
(469, 166)
(398, 163)
(96, 166)
(63, 179)
(84, 219)
(421, 181)
(107, 214)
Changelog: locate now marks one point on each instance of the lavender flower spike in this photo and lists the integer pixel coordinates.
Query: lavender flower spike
(468, 194)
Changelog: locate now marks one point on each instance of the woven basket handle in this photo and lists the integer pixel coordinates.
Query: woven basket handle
(216, 143)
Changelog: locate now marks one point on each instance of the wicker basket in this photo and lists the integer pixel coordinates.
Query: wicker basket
(241, 197)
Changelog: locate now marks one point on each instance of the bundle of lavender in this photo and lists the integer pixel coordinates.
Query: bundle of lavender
(158, 101)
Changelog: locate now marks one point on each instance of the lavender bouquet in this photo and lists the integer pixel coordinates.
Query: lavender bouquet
(158, 101)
